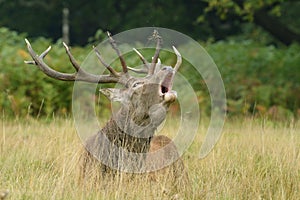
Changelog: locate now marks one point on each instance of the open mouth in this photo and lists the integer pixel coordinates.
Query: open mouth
(164, 89)
(166, 84)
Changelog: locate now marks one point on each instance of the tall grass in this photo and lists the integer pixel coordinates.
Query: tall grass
(255, 159)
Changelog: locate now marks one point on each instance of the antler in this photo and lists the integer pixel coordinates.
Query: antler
(156, 55)
(146, 67)
(179, 59)
(114, 46)
(80, 74)
(114, 77)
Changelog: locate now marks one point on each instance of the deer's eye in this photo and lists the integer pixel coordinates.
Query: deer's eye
(137, 84)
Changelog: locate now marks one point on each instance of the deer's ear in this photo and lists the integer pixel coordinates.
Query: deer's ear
(114, 94)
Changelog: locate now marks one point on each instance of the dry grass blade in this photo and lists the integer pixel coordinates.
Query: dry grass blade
(253, 160)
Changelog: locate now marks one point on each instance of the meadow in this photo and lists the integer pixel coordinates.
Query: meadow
(254, 159)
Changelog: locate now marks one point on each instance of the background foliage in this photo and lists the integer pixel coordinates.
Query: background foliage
(259, 79)
(213, 19)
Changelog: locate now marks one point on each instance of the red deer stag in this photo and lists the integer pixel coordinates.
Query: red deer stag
(125, 140)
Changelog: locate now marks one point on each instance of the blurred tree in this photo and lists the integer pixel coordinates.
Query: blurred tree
(263, 13)
(215, 19)
(44, 19)
(38, 18)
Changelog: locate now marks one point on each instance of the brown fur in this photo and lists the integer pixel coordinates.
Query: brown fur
(171, 179)
(173, 176)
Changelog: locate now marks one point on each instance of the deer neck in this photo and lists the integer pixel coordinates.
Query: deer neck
(130, 130)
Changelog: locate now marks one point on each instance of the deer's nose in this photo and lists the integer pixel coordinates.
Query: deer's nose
(167, 68)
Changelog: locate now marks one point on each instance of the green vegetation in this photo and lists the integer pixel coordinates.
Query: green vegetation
(24, 89)
(255, 159)
(259, 80)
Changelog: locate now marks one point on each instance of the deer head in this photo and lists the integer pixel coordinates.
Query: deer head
(144, 100)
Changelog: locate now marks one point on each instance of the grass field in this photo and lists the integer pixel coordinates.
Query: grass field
(254, 159)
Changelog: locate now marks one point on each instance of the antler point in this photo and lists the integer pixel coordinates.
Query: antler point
(27, 42)
(66, 46)
(176, 51)
(31, 62)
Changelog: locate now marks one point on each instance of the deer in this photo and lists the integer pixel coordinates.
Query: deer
(129, 136)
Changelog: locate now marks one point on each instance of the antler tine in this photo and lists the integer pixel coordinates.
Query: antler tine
(43, 55)
(71, 57)
(38, 60)
(158, 63)
(139, 71)
(179, 59)
(141, 57)
(110, 69)
(156, 55)
(145, 68)
(114, 46)
(79, 75)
